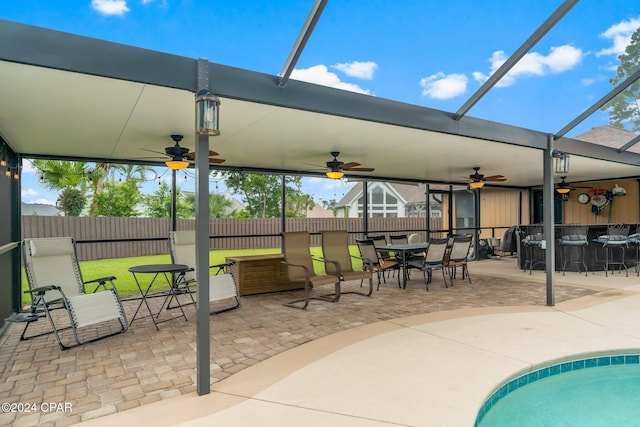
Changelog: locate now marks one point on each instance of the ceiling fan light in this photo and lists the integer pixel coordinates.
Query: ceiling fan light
(337, 174)
(476, 184)
(176, 165)
(563, 190)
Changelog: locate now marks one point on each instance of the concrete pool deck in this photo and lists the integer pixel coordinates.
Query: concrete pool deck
(432, 369)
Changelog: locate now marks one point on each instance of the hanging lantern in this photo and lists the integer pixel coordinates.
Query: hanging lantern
(207, 113)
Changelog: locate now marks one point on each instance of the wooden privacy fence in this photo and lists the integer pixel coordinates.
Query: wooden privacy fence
(114, 237)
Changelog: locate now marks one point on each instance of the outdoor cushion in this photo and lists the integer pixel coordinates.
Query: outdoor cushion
(574, 237)
(51, 247)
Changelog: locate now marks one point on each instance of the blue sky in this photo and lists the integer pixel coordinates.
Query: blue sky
(424, 52)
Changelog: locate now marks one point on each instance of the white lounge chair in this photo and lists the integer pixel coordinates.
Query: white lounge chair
(222, 284)
(55, 282)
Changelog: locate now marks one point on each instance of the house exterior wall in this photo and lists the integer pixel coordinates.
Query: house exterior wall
(499, 208)
(623, 209)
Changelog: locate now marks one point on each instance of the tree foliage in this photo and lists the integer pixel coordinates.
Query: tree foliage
(219, 205)
(158, 204)
(117, 199)
(624, 109)
(71, 201)
(105, 171)
(60, 174)
(262, 194)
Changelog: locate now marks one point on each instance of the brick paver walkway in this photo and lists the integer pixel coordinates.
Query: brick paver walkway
(144, 365)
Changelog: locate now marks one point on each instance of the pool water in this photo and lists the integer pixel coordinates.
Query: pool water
(591, 395)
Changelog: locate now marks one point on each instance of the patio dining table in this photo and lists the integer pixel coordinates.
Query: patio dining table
(401, 251)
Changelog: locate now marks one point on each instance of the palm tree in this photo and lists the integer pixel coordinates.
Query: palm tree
(61, 174)
(219, 205)
(133, 172)
(70, 178)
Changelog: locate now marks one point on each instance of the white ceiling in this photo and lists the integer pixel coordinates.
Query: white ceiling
(48, 112)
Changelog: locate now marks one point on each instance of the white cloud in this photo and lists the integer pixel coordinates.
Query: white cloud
(588, 81)
(319, 74)
(358, 69)
(27, 167)
(30, 192)
(559, 59)
(620, 36)
(441, 86)
(110, 7)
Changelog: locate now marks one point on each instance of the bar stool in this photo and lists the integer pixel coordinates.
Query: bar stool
(574, 236)
(634, 240)
(616, 238)
(534, 239)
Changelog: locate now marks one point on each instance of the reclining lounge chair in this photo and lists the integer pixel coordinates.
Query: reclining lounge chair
(55, 282)
(222, 284)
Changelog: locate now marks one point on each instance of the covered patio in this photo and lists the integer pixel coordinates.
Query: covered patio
(107, 102)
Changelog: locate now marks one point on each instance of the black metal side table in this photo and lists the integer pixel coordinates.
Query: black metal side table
(169, 272)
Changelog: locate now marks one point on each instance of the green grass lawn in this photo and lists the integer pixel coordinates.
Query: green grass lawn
(126, 285)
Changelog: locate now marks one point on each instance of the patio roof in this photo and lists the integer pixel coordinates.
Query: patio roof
(80, 98)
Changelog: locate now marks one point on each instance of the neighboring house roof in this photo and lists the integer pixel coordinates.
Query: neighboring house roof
(408, 193)
(609, 136)
(40, 209)
(319, 212)
(236, 205)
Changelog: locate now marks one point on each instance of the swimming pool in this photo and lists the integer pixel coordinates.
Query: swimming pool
(586, 391)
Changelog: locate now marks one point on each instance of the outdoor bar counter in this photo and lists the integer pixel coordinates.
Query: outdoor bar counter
(573, 253)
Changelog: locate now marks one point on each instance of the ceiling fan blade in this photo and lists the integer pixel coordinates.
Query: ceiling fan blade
(360, 169)
(347, 166)
(192, 154)
(495, 178)
(216, 160)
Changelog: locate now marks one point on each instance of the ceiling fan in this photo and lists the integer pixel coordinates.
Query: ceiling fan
(335, 168)
(180, 157)
(478, 179)
(565, 187)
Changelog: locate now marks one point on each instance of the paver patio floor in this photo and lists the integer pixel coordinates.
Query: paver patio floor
(144, 365)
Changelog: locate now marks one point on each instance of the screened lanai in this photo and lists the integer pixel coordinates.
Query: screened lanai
(67, 96)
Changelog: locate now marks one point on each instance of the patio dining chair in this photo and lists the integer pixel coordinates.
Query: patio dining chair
(434, 260)
(380, 242)
(299, 263)
(339, 261)
(457, 257)
(222, 285)
(55, 282)
(374, 262)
